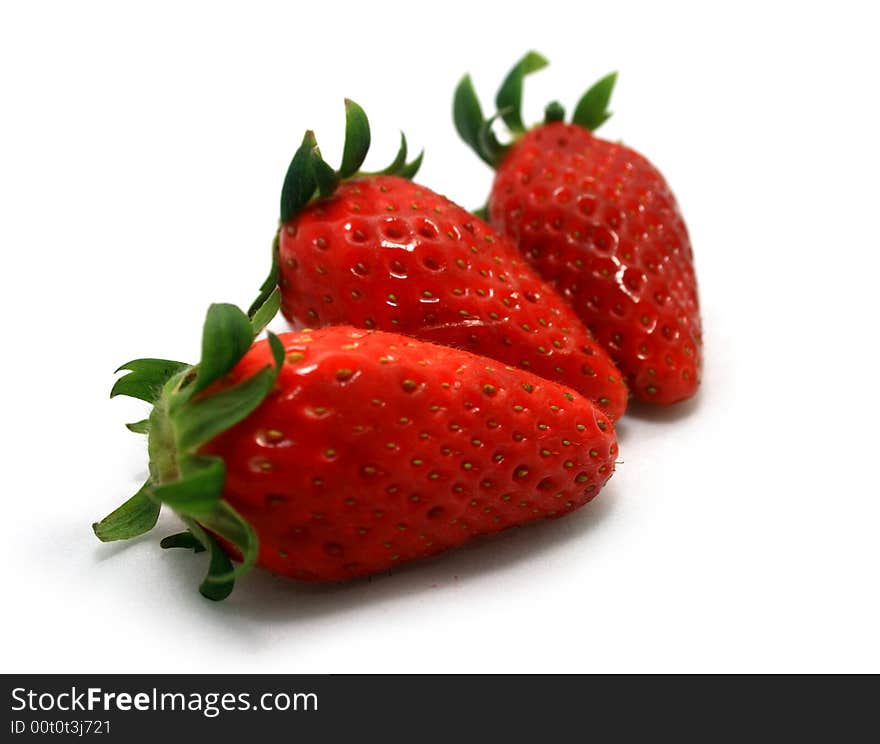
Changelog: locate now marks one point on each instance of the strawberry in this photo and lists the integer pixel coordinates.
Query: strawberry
(328, 454)
(599, 222)
(380, 252)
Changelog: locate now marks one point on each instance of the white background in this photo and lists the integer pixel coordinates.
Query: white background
(142, 157)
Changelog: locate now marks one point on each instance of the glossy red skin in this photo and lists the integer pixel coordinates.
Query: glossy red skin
(600, 223)
(403, 454)
(384, 253)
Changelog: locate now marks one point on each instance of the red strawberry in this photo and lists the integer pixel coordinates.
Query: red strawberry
(599, 222)
(380, 252)
(343, 452)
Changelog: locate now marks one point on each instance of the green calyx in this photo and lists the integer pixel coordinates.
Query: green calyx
(188, 412)
(476, 130)
(309, 176)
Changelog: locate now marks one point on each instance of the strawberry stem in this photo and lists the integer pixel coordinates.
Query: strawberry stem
(554, 111)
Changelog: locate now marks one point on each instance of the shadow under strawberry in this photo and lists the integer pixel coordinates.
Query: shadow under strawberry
(268, 597)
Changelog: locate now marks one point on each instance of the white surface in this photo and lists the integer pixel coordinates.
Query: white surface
(142, 156)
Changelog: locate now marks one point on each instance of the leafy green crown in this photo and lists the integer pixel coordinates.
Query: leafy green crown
(476, 130)
(309, 175)
(187, 413)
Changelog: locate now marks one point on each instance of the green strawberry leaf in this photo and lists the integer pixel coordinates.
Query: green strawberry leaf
(139, 427)
(226, 337)
(299, 183)
(198, 490)
(399, 160)
(509, 98)
(489, 142)
(264, 314)
(229, 524)
(278, 353)
(185, 540)
(135, 517)
(215, 586)
(592, 110)
(409, 170)
(357, 139)
(201, 419)
(145, 378)
(267, 289)
(326, 177)
(468, 117)
(399, 166)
